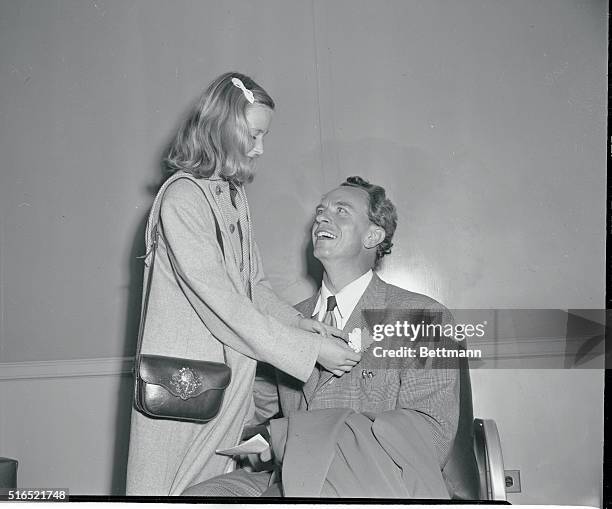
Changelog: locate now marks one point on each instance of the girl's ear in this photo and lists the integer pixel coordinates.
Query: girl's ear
(374, 237)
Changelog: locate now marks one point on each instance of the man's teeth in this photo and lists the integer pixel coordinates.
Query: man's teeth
(325, 234)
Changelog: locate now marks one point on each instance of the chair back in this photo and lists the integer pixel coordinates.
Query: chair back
(461, 471)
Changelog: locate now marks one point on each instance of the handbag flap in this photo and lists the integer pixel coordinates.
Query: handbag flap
(184, 378)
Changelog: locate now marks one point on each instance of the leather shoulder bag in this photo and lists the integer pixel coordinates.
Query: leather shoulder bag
(172, 387)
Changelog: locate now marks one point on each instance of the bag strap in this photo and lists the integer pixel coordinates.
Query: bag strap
(152, 236)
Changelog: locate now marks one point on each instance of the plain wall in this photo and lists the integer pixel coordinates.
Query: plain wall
(484, 120)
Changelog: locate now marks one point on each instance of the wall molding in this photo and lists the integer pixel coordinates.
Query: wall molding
(66, 368)
(502, 349)
(571, 349)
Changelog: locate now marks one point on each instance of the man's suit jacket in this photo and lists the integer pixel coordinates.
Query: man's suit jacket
(433, 391)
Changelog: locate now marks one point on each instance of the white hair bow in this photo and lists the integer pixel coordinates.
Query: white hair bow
(247, 93)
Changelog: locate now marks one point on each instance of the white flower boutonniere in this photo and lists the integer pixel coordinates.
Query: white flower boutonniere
(355, 339)
(359, 340)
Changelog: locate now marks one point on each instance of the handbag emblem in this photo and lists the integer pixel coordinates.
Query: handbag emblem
(186, 382)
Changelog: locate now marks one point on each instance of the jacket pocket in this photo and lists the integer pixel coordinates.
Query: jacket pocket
(379, 384)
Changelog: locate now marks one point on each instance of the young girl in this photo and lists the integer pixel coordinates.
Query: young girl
(209, 299)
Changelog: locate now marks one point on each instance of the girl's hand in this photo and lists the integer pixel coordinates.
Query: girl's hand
(336, 357)
(310, 325)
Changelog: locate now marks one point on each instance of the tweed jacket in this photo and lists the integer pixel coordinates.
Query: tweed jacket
(199, 308)
(433, 392)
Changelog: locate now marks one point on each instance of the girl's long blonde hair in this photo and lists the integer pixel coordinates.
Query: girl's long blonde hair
(215, 138)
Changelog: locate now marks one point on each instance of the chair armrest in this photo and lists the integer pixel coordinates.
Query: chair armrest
(487, 448)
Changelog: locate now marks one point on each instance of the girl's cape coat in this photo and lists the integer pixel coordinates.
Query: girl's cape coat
(198, 303)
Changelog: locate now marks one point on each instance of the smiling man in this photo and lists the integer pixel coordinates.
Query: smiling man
(386, 428)
(352, 231)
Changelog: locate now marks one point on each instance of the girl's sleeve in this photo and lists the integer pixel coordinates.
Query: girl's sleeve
(266, 299)
(189, 232)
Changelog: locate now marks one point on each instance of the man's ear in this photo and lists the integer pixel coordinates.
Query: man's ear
(374, 237)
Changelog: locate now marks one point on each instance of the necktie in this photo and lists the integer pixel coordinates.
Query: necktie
(239, 202)
(233, 194)
(330, 317)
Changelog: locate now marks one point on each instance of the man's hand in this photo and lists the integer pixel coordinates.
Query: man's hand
(310, 325)
(337, 357)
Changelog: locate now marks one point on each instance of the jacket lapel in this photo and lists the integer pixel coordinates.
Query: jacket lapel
(373, 298)
(310, 385)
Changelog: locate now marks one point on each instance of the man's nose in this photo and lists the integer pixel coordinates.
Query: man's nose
(321, 218)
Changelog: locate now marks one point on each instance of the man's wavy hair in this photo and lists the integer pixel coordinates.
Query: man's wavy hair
(381, 212)
(215, 135)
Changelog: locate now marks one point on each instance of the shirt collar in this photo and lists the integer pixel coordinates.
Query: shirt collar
(347, 298)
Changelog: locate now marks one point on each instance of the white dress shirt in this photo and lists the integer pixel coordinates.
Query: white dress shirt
(346, 299)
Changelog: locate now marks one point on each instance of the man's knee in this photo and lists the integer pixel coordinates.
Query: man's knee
(238, 483)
